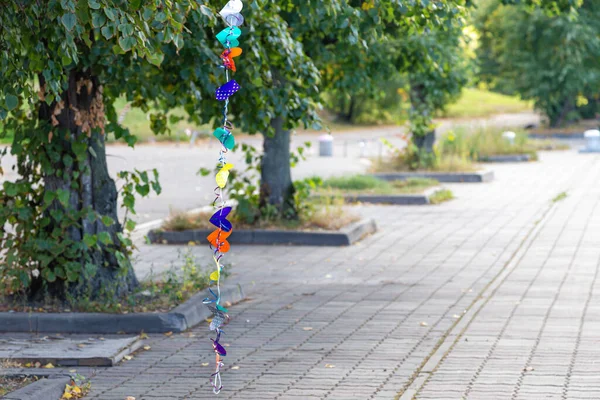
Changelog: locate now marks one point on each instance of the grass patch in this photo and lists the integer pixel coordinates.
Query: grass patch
(400, 162)
(548, 145)
(365, 184)
(559, 197)
(441, 196)
(159, 293)
(482, 103)
(575, 128)
(326, 214)
(484, 143)
(10, 384)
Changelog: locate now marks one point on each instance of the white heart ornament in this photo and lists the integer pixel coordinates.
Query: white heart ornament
(233, 7)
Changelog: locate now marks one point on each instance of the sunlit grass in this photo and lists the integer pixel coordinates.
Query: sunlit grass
(482, 103)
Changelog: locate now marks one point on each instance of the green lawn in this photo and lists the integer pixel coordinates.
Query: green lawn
(364, 184)
(139, 124)
(481, 103)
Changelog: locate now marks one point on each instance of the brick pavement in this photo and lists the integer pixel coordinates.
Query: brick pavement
(488, 296)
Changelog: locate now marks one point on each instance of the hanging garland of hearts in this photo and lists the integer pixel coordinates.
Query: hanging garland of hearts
(228, 37)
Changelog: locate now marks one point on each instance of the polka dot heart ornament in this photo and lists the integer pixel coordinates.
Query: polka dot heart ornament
(229, 38)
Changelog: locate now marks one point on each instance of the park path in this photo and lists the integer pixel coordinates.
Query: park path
(183, 189)
(490, 296)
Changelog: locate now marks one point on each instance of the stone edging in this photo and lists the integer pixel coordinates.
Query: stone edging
(393, 199)
(508, 158)
(51, 387)
(181, 318)
(445, 177)
(344, 237)
(558, 135)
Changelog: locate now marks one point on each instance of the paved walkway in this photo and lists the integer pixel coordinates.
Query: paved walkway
(488, 296)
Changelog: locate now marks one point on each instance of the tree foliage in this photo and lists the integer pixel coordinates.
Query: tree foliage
(548, 57)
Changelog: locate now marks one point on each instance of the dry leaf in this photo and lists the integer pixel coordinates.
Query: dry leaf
(307, 328)
(456, 316)
(205, 364)
(81, 345)
(49, 365)
(424, 324)
(168, 334)
(329, 366)
(129, 398)
(142, 336)
(235, 367)
(147, 347)
(127, 357)
(37, 365)
(72, 371)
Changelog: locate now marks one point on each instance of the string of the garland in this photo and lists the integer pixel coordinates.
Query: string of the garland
(218, 239)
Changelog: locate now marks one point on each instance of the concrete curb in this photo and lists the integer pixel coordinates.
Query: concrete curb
(506, 158)
(181, 318)
(51, 387)
(556, 135)
(393, 199)
(445, 177)
(344, 237)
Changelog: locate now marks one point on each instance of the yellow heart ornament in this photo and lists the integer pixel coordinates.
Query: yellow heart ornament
(223, 175)
(214, 276)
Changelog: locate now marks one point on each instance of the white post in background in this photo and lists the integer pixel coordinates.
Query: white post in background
(510, 137)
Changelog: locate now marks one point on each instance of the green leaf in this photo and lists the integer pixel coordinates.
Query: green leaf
(90, 240)
(110, 13)
(105, 238)
(94, 4)
(155, 58)
(49, 275)
(127, 43)
(135, 4)
(98, 19)
(11, 102)
(63, 197)
(107, 32)
(203, 172)
(69, 20)
(126, 29)
(107, 221)
(130, 225)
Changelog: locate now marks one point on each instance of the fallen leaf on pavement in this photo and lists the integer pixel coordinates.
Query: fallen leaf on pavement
(329, 366)
(307, 328)
(49, 365)
(424, 324)
(147, 347)
(129, 398)
(127, 357)
(205, 364)
(168, 334)
(235, 367)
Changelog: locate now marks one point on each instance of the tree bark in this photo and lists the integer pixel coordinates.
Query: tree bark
(418, 100)
(276, 177)
(79, 117)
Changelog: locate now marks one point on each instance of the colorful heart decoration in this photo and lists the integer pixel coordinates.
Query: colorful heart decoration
(227, 90)
(234, 19)
(220, 350)
(219, 219)
(225, 137)
(218, 239)
(233, 7)
(228, 55)
(223, 175)
(228, 36)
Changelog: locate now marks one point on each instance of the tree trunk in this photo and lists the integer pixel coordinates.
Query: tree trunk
(79, 120)
(276, 187)
(419, 105)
